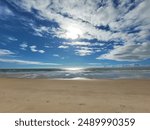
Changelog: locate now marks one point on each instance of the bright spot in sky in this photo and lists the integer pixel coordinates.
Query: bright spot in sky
(73, 69)
(73, 32)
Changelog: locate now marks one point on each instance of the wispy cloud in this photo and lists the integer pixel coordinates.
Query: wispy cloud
(41, 31)
(12, 39)
(23, 46)
(56, 55)
(25, 62)
(83, 51)
(63, 47)
(4, 52)
(34, 49)
(5, 11)
(130, 52)
(77, 43)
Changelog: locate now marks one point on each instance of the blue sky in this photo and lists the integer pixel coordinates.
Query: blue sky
(74, 33)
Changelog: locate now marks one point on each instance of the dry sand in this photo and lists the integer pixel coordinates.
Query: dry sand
(41, 95)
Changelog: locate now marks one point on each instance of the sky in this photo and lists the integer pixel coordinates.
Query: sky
(74, 33)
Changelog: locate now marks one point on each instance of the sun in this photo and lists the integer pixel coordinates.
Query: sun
(73, 32)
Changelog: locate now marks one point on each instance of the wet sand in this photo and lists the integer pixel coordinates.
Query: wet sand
(43, 95)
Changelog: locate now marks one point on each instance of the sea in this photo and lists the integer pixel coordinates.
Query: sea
(78, 73)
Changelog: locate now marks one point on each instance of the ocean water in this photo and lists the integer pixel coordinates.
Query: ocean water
(78, 73)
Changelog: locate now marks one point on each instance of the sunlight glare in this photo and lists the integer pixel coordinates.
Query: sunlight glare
(73, 69)
(73, 32)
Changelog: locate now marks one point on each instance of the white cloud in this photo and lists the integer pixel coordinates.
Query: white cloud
(56, 55)
(12, 39)
(86, 15)
(46, 46)
(83, 51)
(23, 46)
(129, 52)
(71, 8)
(85, 48)
(77, 43)
(5, 11)
(41, 51)
(4, 52)
(25, 62)
(91, 13)
(41, 31)
(34, 49)
(63, 47)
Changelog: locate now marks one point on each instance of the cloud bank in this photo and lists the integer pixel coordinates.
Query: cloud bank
(124, 22)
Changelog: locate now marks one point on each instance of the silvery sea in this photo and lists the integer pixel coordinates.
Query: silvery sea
(78, 73)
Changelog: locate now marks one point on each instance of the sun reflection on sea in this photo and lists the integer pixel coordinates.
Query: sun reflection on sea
(73, 69)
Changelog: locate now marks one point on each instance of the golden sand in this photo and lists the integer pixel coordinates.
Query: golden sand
(42, 95)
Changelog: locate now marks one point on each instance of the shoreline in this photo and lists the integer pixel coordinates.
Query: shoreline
(102, 95)
(75, 79)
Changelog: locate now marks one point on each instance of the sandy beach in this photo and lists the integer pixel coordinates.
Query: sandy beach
(43, 95)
